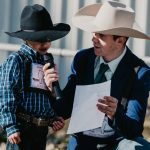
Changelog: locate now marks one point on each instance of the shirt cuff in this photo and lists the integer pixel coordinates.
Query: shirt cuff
(12, 129)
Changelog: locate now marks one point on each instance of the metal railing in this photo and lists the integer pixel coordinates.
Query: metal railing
(59, 52)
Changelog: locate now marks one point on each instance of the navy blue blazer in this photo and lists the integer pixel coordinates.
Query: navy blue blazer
(128, 122)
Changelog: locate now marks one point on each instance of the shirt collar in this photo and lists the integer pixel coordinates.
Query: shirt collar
(29, 51)
(114, 63)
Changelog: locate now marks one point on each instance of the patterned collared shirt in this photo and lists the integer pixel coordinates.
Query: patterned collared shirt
(12, 79)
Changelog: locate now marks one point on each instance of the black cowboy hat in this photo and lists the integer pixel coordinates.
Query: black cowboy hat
(36, 25)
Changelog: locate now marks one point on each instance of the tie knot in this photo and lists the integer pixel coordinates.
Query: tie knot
(103, 67)
(100, 77)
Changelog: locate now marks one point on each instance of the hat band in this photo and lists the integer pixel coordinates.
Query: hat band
(29, 30)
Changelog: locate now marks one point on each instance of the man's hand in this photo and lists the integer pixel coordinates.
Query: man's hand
(51, 75)
(58, 124)
(14, 138)
(108, 105)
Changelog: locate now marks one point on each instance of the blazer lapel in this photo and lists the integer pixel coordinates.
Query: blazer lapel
(90, 68)
(121, 75)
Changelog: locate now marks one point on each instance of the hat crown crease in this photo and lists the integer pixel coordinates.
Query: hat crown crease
(120, 16)
(35, 18)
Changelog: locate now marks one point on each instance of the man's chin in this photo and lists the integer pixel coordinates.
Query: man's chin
(97, 53)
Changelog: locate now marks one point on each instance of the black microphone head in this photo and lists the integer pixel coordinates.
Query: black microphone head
(48, 58)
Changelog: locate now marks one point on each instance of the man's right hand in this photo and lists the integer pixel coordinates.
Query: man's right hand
(14, 138)
(50, 75)
(58, 124)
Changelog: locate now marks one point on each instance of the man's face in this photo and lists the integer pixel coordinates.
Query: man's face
(41, 47)
(104, 45)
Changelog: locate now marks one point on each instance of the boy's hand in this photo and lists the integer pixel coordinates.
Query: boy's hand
(14, 138)
(50, 75)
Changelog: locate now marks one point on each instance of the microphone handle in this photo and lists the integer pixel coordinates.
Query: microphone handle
(55, 85)
(57, 90)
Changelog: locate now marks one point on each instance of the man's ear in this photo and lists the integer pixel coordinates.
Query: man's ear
(121, 40)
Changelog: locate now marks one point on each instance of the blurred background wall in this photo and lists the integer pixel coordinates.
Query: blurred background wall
(62, 11)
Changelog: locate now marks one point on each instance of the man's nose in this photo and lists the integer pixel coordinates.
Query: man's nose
(95, 39)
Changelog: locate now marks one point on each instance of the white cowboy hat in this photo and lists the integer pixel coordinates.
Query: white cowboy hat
(111, 17)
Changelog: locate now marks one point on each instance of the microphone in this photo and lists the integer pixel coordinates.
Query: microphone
(48, 58)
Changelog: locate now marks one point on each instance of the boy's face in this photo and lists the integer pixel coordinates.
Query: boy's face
(41, 47)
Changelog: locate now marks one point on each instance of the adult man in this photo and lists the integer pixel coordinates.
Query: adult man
(25, 107)
(130, 78)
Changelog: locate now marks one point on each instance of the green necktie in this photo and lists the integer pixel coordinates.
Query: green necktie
(100, 77)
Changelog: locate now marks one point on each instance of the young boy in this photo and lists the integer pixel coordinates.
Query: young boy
(25, 108)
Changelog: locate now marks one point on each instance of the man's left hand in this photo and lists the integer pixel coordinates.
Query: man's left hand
(108, 105)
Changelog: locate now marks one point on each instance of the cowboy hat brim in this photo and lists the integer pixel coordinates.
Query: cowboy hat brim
(58, 31)
(85, 20)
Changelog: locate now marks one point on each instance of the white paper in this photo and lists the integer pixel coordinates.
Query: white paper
(85, 115)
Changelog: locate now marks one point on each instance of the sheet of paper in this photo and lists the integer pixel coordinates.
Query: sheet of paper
(85, 115)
